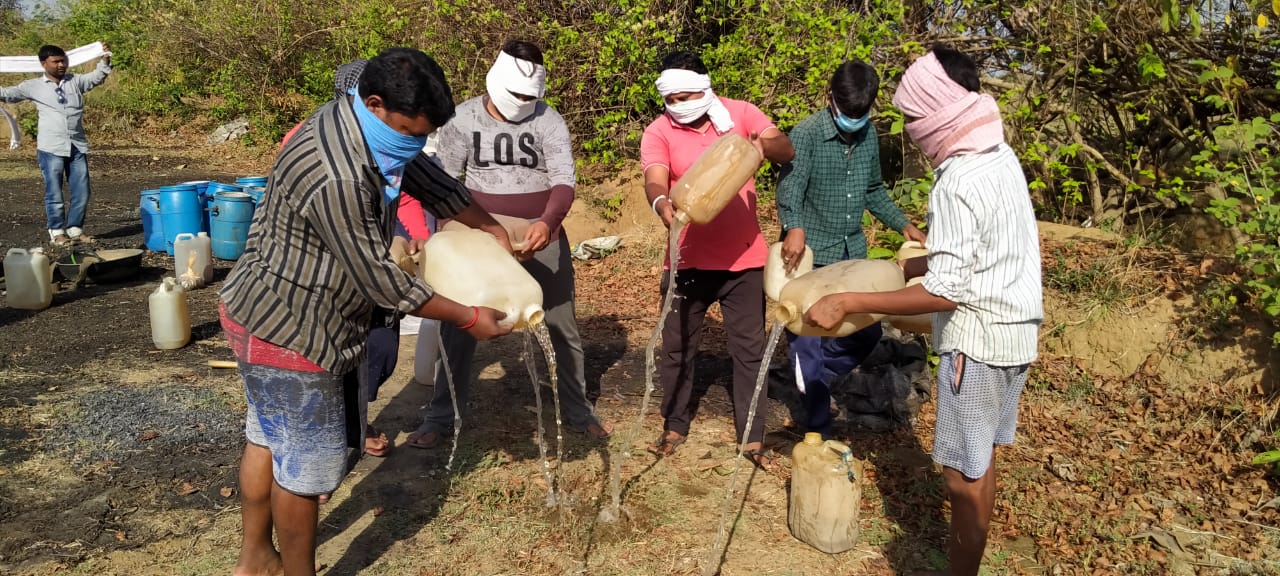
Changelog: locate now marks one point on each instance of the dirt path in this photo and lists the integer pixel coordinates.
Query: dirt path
(116, 459)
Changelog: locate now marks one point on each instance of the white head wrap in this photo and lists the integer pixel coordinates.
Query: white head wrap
(676, 80)
(512, 75)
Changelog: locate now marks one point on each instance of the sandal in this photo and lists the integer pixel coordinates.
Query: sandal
(375, 442)
(424, 440)
(593, 430)
(763, 459)
(667, 444)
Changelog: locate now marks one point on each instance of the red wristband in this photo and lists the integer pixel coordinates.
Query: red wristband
(474, 319)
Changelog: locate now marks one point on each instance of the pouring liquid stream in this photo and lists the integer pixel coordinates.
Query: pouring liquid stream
(717, 550)
(453, 396)
(537, 400)
(650, 371)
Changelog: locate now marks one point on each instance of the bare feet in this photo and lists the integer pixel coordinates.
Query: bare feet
(375, 442)
(260, 564)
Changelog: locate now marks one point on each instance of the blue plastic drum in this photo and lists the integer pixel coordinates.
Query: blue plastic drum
(152, 228)
(180, 212)
(232, 215)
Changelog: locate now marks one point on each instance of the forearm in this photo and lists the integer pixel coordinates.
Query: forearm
(907, 301)
(778, 148)
(915, 267)
(445, 310)
(477, 217)
(558, 206)
(882, 207)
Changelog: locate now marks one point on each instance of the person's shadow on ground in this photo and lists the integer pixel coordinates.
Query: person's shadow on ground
(407, 490)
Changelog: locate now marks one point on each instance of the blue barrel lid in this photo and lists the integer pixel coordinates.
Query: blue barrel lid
(178, 188)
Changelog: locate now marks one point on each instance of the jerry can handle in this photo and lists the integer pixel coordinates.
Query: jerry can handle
(846, 457)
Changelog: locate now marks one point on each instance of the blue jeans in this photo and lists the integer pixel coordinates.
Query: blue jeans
(822, 360)
(75, 169)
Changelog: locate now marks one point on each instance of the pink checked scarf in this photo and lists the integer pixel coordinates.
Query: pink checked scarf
(950, 120)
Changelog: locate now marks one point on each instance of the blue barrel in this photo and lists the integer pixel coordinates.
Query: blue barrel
(210, 193)
(152, 228)
(248, 181)
(232, 215)
(180, 212)
(202, 187)
(256, 192)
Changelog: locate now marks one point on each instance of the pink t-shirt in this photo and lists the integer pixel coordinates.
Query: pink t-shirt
(733, 240)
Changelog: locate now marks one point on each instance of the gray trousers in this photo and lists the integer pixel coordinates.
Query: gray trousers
(553, 269)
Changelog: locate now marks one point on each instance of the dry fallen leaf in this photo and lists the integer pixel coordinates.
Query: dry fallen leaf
(187, 489)
(226, 491)
(148, 436)
(120, 536)
(379, 510)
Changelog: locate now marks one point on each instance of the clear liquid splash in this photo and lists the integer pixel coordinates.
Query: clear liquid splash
(453, 397)
(614, 511)
(537, 399)
(717, 550)
(543, 337)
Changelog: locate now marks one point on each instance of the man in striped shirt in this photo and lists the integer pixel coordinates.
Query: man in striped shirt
(297, 307)
(981, 277)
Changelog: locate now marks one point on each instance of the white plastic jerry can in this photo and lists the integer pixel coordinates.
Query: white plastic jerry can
(170, 319)
(185, 246)
(28, 279)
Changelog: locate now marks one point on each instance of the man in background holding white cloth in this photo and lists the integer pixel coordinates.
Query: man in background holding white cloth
(61, 146)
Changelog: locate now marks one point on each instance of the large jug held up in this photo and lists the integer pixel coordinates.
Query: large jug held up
(847, 276)
(193, 260)
(170, 319)
(775, 270)
(714, 179)
(470, 267)
(28, 279)
(918, 323)
(826, 491)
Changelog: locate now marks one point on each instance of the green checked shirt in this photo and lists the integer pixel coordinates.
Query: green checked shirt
(824, 190)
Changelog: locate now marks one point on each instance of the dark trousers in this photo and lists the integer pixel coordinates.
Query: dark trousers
(741, 298)
(820, 361)
(383, 352)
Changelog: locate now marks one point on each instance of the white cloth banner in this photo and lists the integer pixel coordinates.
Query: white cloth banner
(31, 64)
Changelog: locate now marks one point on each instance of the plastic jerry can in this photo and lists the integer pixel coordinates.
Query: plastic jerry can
(918, 323)
(471, 268)
(516, 228)
(187, 244)
(847, 276)
(826, 492)
(714, 179)
(775, 272)
(28, 279)
(170, 319)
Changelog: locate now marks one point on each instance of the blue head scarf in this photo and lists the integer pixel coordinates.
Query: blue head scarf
(391, 149)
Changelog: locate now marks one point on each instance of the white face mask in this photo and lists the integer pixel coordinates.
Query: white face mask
(510, 76)
(690, 110)
(512, 108)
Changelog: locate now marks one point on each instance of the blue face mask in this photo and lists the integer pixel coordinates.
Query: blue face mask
(391, 149)
(849, 125)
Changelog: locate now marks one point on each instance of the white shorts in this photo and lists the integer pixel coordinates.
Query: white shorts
(977, 409)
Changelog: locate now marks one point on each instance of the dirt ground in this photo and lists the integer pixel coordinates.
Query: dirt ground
(1132, 455)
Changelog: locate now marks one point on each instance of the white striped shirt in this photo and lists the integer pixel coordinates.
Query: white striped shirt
(984, 255)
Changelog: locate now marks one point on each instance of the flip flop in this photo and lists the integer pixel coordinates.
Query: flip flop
(762, 459)
(424, 440)
(595, 430)
(667, 444)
